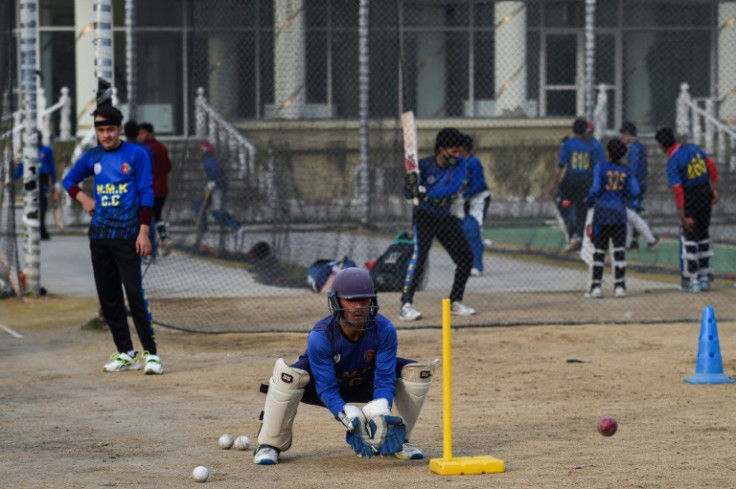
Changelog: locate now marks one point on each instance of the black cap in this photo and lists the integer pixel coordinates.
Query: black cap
(628, 127)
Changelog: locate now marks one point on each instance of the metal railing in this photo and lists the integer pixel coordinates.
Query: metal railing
(64, 106)
(697, 121)
(219, 132)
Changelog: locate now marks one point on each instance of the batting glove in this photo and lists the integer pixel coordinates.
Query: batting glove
(357, 435)
(387, 432)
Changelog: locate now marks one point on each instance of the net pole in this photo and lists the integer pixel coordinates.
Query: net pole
(28, 43)
(589, 58)
(130, 56)
(362, 174)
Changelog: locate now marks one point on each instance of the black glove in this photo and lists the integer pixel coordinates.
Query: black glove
(412, 187)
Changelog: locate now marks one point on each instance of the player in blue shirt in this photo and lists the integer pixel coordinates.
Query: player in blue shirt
(613, 184)
(639, 167)
(476, 200)
(443, 178)
(46, 171)
(351, 357)
(577, 157)
(693, 177)
(121, 210)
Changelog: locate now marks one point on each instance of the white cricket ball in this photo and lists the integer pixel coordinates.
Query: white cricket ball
(201, 473)
(242, 443)
(226, 441)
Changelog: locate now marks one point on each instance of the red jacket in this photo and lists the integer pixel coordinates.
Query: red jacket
(161, 168)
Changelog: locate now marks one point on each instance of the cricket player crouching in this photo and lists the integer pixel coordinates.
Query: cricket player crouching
(351, 357)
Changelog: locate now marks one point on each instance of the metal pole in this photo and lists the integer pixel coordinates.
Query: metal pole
(28, 43)
(103, 40)
(363, 82)
(130, 57)
(589, 58)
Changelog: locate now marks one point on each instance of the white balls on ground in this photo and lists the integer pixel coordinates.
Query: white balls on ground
(200, 473)
(242, 443)
(226, 441)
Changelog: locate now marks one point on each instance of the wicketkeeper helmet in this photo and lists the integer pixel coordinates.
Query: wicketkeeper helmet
(352, 283)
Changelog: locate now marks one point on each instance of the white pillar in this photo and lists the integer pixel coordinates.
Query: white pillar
(726, 68)
(84, 22)
(130, 60)
(509, 58)
(289, 49)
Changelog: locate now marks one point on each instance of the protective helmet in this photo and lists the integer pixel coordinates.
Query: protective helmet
(352, 283)
(206, 147)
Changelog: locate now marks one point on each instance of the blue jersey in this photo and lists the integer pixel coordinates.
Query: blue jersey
(638, 162)
(214, 173)
(443, 185)
(335, 360)
(46, 162)
(599, 152)
(476, 177)
(122, 185)
(578, 156)
(687, 167)
(613, 185)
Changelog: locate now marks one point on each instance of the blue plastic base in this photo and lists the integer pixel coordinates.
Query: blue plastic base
(710, 379)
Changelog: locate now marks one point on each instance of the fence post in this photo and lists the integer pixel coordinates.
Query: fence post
(600, 117)
(200, 115)
(65, 118)
(40, 109)
(683, 110)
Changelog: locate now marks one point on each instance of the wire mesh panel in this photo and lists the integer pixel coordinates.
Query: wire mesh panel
(295, 154)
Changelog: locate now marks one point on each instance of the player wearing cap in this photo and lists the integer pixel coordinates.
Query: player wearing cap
(351, 357)
(693, 177)
(443, 178)
(613, 184)
(121, 210)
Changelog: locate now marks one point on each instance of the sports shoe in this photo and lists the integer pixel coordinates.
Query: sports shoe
(122, 362)
(690, 287)
(653, 244)
(634, 246)
(461, 309)
(619, 291)
(595, 293)
(410, 452)
(153, 364)
(575, 244)
(266, 455)
(474, 272)
(408, 313)
(704, 284)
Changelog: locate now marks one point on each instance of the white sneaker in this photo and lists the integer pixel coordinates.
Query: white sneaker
(408, 313)
(461, 309)
(474, 272)
(595, 293)
(153, 364)
(266, 455)
(620, 291)
(487, 243)
(410, 452)
(122, 362)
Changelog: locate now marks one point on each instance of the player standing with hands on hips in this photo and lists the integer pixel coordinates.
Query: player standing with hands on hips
(693, 177)
(613, 185)
(351, 357)
(121, 210)
(443, 177)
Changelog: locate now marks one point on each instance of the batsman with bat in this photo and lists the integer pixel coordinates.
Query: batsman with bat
(351, 358)
(439, 180)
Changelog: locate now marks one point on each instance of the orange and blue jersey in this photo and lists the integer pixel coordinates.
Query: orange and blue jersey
(123, 184)
(578, 156)
(336, 362)
(613, 185)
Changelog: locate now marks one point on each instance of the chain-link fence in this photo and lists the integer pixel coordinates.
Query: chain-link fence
(299, 105)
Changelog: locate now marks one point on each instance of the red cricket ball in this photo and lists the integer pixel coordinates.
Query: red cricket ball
(607, 426)
(565, 204)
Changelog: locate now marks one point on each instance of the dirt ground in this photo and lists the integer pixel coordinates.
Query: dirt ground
(515, 396)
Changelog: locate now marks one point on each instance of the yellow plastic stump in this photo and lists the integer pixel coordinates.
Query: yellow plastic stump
(449, 465)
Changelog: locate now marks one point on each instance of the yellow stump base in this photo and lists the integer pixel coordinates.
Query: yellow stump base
(483, 464)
